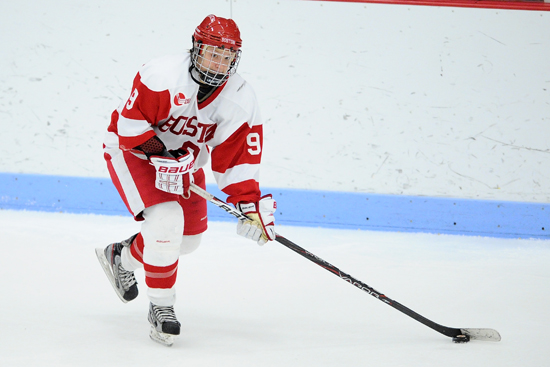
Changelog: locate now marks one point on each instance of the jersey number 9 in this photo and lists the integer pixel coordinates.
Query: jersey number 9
(253, 141)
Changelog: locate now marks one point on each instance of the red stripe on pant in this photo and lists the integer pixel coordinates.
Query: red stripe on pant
(137, 248)
(161, 276)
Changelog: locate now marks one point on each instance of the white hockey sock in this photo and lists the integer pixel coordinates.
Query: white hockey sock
(162, 296)
(129, 262)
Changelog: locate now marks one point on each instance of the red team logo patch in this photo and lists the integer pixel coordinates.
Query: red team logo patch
(180, 100)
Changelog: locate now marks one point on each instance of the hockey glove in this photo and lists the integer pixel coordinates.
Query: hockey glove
(174, 174)
(260, 227)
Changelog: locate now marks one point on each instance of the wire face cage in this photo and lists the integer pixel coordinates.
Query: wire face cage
(214, 65)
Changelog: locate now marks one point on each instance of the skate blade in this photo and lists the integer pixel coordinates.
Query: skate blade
(162, 338)
(107, 269)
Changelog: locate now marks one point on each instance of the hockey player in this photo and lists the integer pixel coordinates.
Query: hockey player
(183, 110)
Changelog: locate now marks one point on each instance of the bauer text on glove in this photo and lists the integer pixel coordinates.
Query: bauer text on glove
(174, 175)
(260, 226)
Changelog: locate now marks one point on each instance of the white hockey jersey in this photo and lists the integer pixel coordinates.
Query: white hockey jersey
(227, 125)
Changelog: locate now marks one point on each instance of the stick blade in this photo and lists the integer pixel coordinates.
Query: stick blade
(482, 334)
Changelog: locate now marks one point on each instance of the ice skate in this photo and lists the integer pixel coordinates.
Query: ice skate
(123, 281)
(164, 325)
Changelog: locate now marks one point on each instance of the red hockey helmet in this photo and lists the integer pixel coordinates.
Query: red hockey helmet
(216, 51)
(219, 32)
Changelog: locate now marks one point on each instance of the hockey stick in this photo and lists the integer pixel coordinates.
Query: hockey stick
(458, 335)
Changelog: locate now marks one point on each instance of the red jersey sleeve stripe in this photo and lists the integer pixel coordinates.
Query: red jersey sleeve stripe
(128, 142)
(248, 191)
(145, 104)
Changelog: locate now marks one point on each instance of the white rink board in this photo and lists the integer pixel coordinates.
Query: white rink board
(413, 100)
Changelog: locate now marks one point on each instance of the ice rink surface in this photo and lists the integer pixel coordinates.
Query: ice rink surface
(245, 305)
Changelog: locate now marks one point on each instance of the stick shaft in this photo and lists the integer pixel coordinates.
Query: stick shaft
(447, 331)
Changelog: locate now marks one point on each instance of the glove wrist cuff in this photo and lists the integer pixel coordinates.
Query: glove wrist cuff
(247, 207)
